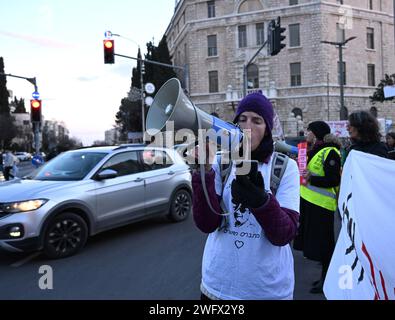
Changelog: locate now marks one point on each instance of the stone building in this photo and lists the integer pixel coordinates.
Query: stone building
(215, 39)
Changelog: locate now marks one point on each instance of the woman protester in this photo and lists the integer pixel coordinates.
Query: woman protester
(247, 254)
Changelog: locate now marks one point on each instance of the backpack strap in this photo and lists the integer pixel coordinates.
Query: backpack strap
(279, 164)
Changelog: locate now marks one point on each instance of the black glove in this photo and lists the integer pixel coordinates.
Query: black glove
(249, 191)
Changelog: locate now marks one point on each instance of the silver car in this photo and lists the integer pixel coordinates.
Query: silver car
(83, 192)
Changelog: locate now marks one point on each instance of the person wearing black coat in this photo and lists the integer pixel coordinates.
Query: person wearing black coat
(316, 230)
(365, 135)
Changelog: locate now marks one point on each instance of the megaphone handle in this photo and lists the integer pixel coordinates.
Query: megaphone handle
(203, 175)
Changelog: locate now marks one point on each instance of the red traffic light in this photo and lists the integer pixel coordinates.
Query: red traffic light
(108, 51)
(35, 110)
(36, 104)
(108, 44)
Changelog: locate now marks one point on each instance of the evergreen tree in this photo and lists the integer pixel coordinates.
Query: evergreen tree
(4, 106)
(378, 95)
(128, 118)
(156, 74)
(19, 105)
(7, 128)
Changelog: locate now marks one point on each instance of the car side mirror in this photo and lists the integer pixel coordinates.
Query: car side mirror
(106, 174)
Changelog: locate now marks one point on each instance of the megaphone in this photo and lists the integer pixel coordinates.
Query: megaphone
(171, 104)
(281, 146)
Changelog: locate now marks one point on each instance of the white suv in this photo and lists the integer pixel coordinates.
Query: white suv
(83, 192)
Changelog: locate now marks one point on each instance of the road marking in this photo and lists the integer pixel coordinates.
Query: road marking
(25, 260)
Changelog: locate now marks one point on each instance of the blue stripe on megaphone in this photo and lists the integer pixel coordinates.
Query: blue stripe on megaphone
(234, 135)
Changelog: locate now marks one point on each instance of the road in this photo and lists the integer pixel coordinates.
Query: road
(153, 260)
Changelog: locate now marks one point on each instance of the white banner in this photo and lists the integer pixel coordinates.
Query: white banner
(363, 264)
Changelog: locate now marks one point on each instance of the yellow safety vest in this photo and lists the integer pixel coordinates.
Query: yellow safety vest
(323, 197)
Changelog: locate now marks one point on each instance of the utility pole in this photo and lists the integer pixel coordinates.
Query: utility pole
(339, 45)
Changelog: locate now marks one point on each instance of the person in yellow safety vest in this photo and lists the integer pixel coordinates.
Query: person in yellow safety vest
(318, 198)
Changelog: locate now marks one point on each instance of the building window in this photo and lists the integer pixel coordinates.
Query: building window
(371, 75)
(370, 4)
(340, 32)
(213, 81)
(344, 73)
(370, 38)
(296, 77)
(252, 76)
(293, 2)
(294, 35)
(298, 112)
(340, 1)
(242, 36)
(212, 45)
(211, 9)
(260, 34)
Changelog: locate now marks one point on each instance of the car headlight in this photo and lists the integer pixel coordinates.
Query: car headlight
(23, 206)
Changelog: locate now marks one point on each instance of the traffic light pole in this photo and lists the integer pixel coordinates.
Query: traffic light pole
(245, 68)
(36, 124)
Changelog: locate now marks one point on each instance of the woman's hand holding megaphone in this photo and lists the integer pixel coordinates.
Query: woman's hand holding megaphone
(207, 156)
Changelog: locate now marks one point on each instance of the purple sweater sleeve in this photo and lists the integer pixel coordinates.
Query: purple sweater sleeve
(280, 224)
(206, 220)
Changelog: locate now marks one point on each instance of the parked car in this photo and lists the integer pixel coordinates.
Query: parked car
(23, 156)
(83, 192)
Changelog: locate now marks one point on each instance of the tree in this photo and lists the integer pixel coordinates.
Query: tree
(7, 130)
(19, 105)
(128, 118)
(156, 74)
(4, 106)
(378, 95)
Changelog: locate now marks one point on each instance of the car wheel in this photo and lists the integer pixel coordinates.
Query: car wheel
(181, 206)
(65, 235)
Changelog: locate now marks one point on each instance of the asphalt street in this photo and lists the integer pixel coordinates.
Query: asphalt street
(151, 260)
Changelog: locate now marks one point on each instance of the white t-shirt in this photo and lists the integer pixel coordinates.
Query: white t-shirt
(239, 262)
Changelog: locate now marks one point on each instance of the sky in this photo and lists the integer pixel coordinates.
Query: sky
(60, 42)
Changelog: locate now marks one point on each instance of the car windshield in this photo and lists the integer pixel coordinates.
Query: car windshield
(69, 166)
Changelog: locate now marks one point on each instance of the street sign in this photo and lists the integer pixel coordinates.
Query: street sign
(149, 100)
(37, 160)
(108, 34)
(36, 95)
(149, 88)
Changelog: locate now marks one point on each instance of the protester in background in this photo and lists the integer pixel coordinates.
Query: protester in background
(318, 201)
(364, 132)
(247, 255)
(390, 139)
(9, 162)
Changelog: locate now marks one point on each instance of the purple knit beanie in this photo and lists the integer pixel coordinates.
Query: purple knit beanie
(258, 103)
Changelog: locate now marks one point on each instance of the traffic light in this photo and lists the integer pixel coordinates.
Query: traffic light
(275, 37)
(279, 37)
(271, 37)
(108, 46)
(35, 110)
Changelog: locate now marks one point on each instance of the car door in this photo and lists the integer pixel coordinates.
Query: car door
(121, 199)
(159, 180)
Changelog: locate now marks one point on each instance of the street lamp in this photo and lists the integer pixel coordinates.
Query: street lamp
(343, 110)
